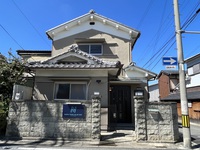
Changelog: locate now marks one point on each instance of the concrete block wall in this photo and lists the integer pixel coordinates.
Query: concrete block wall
(155, 121)
(162, 122)
(140, 119)
(43, 120)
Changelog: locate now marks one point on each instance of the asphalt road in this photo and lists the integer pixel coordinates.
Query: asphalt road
(52, 148)
(195, 134)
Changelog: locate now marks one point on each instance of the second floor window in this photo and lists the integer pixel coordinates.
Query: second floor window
(94, 49)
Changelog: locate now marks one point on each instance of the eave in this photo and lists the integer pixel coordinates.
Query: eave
(94, 17)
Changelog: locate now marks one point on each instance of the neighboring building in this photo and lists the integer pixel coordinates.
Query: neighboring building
(167, 82)
(192, 87)
(193, 68)
(91, 55)
(154, 93)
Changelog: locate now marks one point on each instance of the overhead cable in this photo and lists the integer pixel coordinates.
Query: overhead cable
(30, 23)
(11, 36)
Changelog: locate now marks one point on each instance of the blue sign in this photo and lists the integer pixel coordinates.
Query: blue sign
(73, 111)
(170, 61)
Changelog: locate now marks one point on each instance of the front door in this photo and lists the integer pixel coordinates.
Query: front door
(120, 104)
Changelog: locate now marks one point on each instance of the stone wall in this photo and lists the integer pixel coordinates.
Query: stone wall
(140, 119)
(162, 122)
(44, 120)
(155, 121)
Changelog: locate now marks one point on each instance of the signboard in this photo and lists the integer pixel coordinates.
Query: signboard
(170, 67)
(73, 111)
(170, 61)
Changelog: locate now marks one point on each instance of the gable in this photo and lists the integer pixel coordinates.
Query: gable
(93, 21)
(133, 71)
(74, 55)
(73, 59)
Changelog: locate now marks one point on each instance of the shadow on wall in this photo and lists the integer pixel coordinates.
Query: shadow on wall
(156, 116)
(43, 120)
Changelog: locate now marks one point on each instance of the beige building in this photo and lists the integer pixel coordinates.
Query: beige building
(91, 55)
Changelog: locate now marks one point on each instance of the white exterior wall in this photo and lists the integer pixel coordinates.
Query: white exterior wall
(194, 78)
(154, 93)
(194, 81)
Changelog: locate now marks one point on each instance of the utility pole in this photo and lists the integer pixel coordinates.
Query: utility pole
(183, 93)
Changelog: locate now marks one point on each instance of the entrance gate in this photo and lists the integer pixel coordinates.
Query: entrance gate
(120, 106)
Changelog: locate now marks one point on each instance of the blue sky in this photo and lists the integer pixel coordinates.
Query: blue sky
(23, 24)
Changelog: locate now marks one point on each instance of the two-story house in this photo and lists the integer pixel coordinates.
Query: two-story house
(90, 55)
(193, 85)
(167, 82)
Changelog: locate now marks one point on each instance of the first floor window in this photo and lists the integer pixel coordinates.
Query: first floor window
(70, 91)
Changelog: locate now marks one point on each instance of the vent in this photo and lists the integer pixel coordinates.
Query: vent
(92, 23)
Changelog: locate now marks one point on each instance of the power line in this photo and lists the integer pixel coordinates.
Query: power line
(194, 50)
(163, 54)
(191, 16)
(145, 13)
(30, 23)
(185, 25)
(159, 51)
(11, 37)
(158, 35)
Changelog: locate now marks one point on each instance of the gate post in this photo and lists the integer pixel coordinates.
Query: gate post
(96, 118)
(140, 118)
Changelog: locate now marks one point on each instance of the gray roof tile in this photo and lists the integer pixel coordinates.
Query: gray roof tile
(97, 63)
(72, 65)
(190, 96)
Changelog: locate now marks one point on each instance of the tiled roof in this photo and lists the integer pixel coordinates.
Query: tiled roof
(31, 52)
(132, 64)
(192, 57)
(94, 63)
(190, 96)
(168, 72)
(74, 49)
(72, 66)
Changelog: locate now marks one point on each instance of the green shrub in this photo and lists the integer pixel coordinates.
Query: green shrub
(3, 121)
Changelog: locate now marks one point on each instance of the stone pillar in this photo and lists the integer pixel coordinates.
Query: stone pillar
(96, 118)
(140, 118)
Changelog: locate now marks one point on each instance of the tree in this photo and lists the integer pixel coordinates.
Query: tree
(11, 71)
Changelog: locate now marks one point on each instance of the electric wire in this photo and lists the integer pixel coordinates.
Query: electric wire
(163, 55)
(159, 51)
(160, 27)
(194, 50)
(185, 25)
(36, 30)
(11, 37)
(145, 14)
(158, 36)
(192, 15)
(190, 20)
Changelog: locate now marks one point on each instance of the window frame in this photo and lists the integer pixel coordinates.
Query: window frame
(90, 44)
(70, 83)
